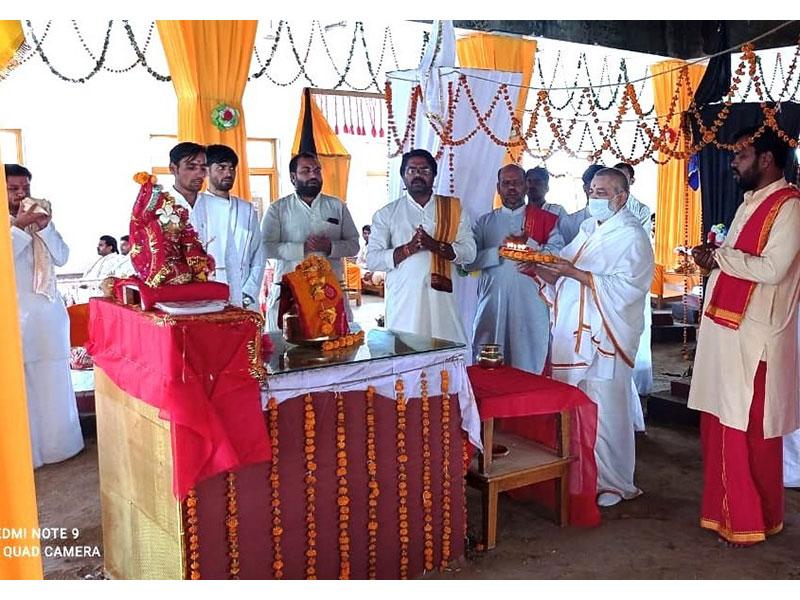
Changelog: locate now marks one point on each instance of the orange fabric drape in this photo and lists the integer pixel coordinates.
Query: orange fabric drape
(209, 62)
(333, 156)
(672, 177)
(500, 53)
(17, 489)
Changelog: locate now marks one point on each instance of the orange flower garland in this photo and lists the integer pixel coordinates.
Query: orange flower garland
(309, 427)
(232, 525)
(656, 138)
(427, 496)
(352, 339)
(446, 484)
(343, 500)
(402, 484)
(316, 271)
(374, 490)
(277, 529)
(194, 543)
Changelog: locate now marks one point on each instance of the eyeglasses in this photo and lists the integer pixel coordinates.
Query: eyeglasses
(418, 170)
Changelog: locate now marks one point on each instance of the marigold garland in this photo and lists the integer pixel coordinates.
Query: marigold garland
(193, 529)
(446, 483)
(661, 138)
(232, 524)
(402, 477)
(317, 271)
(343, 499)
(374, 489)
(309, 427)
(274, 481)
(427, 496)
(351, 339)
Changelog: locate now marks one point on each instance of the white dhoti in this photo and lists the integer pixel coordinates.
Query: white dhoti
(52, 412)
(615, 448)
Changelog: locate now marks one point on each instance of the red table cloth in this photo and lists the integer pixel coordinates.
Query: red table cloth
(527, 405)
(200, 371)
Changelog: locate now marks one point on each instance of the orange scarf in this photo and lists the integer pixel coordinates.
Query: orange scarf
(448, 216)
(731, 295)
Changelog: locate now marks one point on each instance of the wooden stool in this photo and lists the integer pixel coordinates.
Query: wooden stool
(526, 463)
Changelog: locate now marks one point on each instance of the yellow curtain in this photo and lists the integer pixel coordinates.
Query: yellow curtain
(12, 41)
(333, 156)
(17, 489)
(500, 53)
(672, 177)
(209, 62)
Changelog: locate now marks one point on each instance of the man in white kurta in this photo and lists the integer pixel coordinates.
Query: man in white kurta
(401, 244)
(37, 245)
(108, 264)
(229, 229)
(728, 357)
(597, 300)
(304, 223)
(510, 311)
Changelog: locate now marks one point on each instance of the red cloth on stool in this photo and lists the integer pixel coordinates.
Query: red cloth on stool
(743, 475)
(526, 405)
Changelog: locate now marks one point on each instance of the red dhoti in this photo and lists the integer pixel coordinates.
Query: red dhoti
(743, 475)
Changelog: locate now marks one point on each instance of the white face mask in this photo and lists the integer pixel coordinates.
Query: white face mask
(600, 208)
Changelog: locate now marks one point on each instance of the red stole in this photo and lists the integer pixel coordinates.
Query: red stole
(539, 223)
(732, 295)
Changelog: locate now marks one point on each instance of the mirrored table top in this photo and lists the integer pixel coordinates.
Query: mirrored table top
(378, 343)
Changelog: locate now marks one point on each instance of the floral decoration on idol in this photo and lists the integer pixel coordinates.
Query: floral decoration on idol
(224, 117)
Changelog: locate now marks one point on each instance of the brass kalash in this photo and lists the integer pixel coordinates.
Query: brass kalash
(489, 356)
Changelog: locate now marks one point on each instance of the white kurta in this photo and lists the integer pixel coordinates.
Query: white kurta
(596, 330)
(727, 359)
(411, 303)
(285, 229)
(230, 231)
(510, 310)
(110, 265)
(52, 411)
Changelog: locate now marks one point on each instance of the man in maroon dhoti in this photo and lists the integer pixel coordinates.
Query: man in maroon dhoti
(746, 377)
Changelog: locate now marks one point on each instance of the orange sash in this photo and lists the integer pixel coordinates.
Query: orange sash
(448, 215)
(732, 295)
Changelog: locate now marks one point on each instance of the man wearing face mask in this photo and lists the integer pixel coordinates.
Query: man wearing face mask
(306, 222)
(416, 240)
(746, 377)
(510, 311)
(597, 294)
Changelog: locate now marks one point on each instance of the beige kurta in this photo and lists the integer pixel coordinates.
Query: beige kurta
(727, 359)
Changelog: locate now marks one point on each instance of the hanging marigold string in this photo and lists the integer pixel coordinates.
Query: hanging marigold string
(309, 427)
(193, 529)
(653, 136)
(343, 498)
(402, 477)
(446, 479)
(427, 495)
(274, 484)
(232, 525)
(374, 489)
